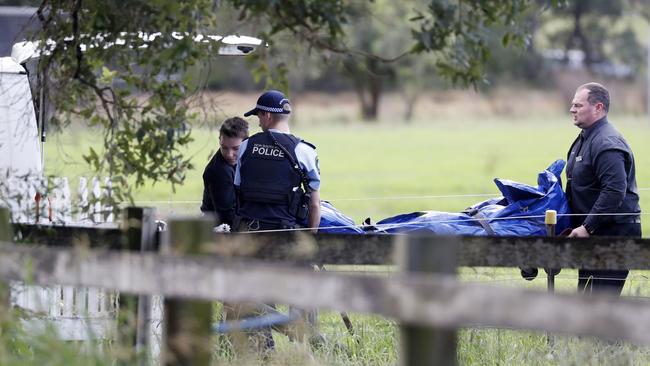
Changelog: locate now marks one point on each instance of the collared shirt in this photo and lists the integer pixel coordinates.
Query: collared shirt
(601, 178)
(306, 156)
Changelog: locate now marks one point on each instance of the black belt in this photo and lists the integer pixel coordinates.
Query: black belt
(246, 224)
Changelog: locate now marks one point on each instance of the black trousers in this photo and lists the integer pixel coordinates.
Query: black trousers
(607, 281)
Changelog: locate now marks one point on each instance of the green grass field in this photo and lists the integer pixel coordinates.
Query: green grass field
(379, 170)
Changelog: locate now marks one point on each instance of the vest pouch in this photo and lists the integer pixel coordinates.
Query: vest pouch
(264, 196)
(300, 205)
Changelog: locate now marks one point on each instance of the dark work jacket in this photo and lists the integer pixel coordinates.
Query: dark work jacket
(218, 189)
(601, 179)
(269, 184)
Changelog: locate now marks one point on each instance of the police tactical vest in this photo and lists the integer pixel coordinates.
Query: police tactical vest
(269, 188)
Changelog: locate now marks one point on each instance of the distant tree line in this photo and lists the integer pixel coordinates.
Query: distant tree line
(600, 29)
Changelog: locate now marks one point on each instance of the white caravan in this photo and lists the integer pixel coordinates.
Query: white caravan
(19, 149)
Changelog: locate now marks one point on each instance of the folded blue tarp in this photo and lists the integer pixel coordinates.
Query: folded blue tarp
(520, 212)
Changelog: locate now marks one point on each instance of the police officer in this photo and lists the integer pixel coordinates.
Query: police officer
(601, 183)
(277, 174)
(277, 179)
(219, 174)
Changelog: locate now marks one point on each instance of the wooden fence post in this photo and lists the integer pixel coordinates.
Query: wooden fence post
(6, 234)
(550, 220)
(423, 345)
(134, 313)
(187, 332)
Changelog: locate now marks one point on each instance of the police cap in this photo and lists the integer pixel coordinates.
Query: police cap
(271, 101)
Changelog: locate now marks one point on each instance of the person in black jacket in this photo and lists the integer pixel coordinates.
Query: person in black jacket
(218, 189)
(601, 185)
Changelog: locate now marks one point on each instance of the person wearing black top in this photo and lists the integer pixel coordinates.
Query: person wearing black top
(601, 185)
(218, 189)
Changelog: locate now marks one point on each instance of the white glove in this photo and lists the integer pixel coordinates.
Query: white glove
(223, 228)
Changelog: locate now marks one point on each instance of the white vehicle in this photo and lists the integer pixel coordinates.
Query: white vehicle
(19, 149)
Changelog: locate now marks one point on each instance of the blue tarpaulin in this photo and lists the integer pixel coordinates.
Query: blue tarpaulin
(334, 222)
(519, 212)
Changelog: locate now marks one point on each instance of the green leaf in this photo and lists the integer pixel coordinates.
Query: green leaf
(107, 75)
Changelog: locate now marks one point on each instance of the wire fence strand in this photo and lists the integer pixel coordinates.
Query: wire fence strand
(377, 198)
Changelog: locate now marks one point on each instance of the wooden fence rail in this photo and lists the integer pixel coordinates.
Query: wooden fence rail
(474, 251)
(410, 298)
(300, 248)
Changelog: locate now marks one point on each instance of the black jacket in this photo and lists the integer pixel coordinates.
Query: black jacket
(218, 189)
(601, 179)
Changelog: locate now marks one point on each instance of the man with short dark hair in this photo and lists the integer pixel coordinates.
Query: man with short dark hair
(277, 173)
(601, 184)
(218, 189)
